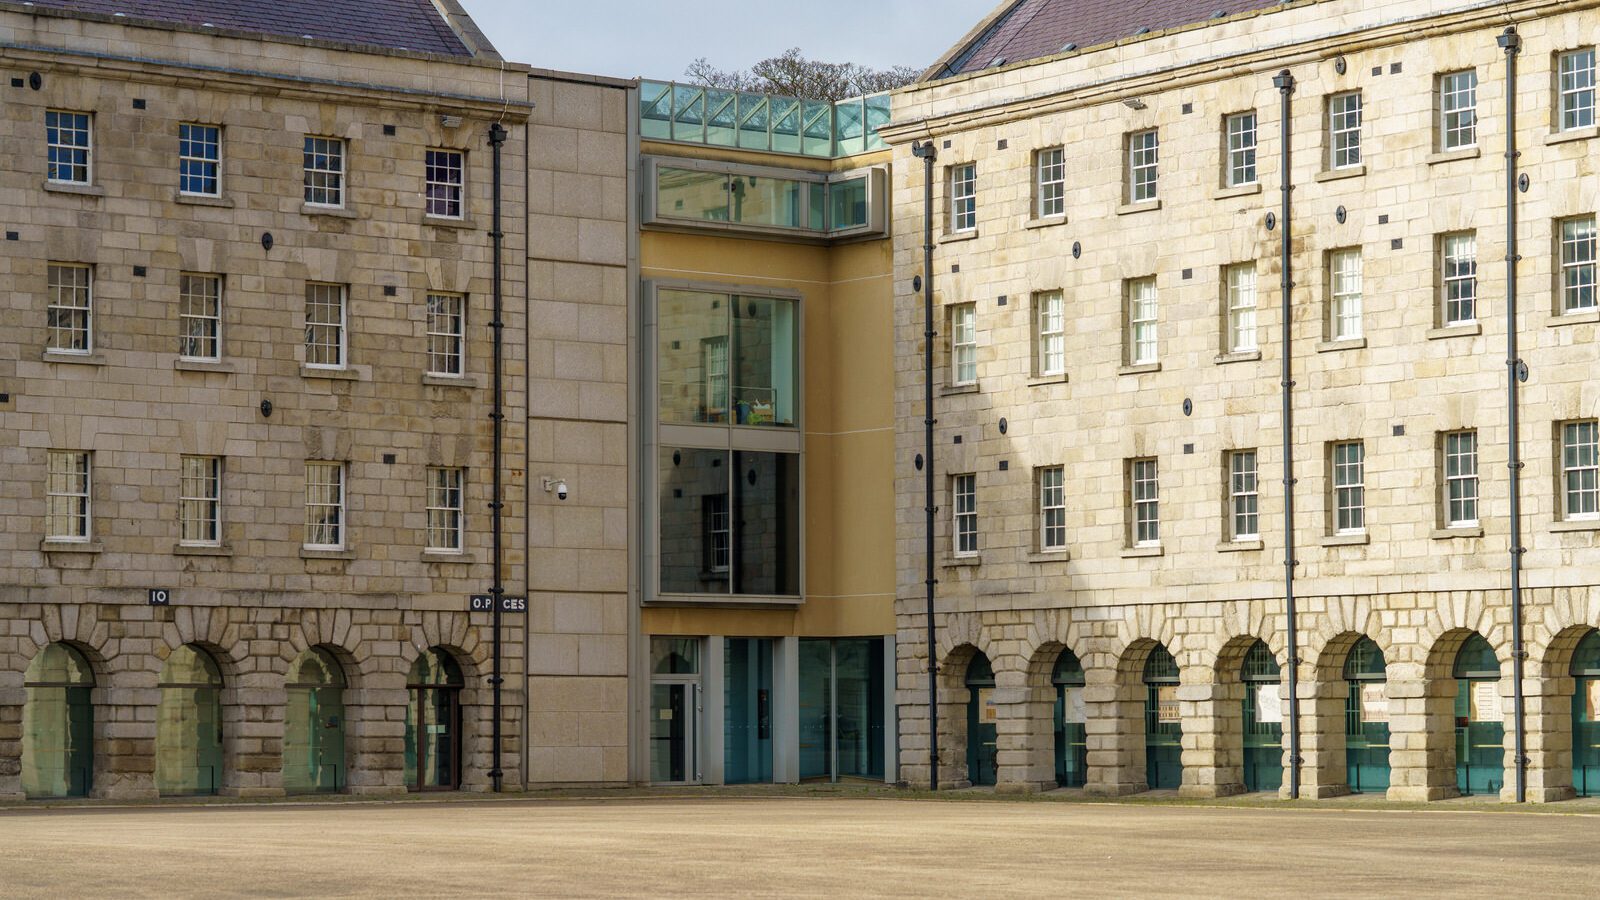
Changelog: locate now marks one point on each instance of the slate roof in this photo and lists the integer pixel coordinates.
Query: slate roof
(1037, 28)
(393, 24)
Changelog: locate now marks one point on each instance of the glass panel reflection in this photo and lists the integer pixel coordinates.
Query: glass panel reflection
(313, 725)
(842, 711)
(690, 194)
(189, 725)
(766, 523)
(693, 357)
(747, 716)
(58, 725)
(433, 722)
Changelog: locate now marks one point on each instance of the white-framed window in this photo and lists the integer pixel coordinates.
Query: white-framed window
(719, 534)
(200, 501)
(715, 384)
(325, 505)
(1344, 130)
(1344, 292)
(1458, 258)
(964, 504)
(445, 182)
(1458, 109)
(200, 317)
(1244, 499)
(324, 171)
(1241, 162)
(446, 508)
(1349, 487)
(199, 160)
(1144, 152)
(1577, 264)
(1575, 85)
(1461, 478)
(1050, 182)
(446, 334)
(69, 146)
(1052, 508)
(963, 344)
(1144, 492)
(70, 314)
(1142, 338)
(325, 326)
(1240, 284)
(964, 197)
(1050, 333)
(67, 491)
(1580, 470)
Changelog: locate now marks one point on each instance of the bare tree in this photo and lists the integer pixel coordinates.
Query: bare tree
(793, 75)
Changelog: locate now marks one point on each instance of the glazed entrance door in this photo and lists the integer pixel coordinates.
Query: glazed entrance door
(673, 750)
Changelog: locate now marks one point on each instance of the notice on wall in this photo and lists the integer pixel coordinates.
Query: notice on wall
(1167, 705)
(1074, 713)
(1593, 694)
(1269, 705)
(1486, 702)
(987, 711)
(1374, 705)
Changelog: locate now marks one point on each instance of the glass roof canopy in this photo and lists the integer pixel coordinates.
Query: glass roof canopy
(693, 114)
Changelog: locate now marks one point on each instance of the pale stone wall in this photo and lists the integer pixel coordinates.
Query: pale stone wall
(259, 599)
(1416, 591)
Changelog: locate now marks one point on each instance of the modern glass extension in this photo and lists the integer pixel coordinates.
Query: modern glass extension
(842, 708)
(723, 196)
(693, 114)
(747, 710)
(58, 725)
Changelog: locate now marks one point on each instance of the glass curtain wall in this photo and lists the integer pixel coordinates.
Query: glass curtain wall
(1480, 721)
(189, 725)
(313, 725)
(842, 714)
(58, 725)
(1366, 718)
(747, 710)
(433, 722)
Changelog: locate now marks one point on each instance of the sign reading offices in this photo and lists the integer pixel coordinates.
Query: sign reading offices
(485, 603)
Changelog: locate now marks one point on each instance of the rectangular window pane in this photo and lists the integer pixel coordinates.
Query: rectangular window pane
(1143, 153)
(725, 359)
(1461, 478)
(729, 522)
(200, 500)
(1244, 495)
(1144, 489)
(1460, 278)
(445, 174)
(964, 197)
(325, 326)
(67, 496)
(1241, 282)
(1344, 130)
(446, 334)
(1577, 265)
(1580, 469)
(1345, 277)
(1050, 327)
(200, 316)
(765, 347)
(766, 524)
(847, 204)
(1349, 487)
(445, 508)
(199, 160)
(1458, 110)
(964, 344)
(1142, 339)
(67, 144)
(68, 315)
(1052, 508)
(776, 202)
(1576, 84)
(1241, 149)
(964, 503)
(324, 171)
(688, 194)
(325, 505)
(1050, 173)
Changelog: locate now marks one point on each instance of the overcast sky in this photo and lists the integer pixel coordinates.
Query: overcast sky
(658, 38)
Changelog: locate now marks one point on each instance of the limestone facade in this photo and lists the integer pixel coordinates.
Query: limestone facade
(259, 596)
(1413, 584)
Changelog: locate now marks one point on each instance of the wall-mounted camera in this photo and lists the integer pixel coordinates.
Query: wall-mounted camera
(558, 486)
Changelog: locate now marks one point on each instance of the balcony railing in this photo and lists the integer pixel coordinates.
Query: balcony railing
(693, 114)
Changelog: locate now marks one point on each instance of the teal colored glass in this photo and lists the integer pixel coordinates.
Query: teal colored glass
(848, 204)
(816, 708)
(858, 670)
(766, 351)
(747, 710)
(655, 110)
(313, 726)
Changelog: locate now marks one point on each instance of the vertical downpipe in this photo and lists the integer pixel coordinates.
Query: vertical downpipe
(1511, 42)
(924, 150)
(497, 137)
(1284, 82)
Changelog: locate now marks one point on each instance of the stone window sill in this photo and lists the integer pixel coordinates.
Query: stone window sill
(1576, 134)
(202, 365)
(1128, 209)
(1139, 368)
(202, 550)
(1463, 531)
(1582, 317)
(338, 212)
(1239, 357)
(1045, 222)
(956, 562)
(1238, 546)
(950, 390)
(449, 556)
(331, 374)
(1346, 540)
(1341, 174)
(466, 382)
(82, 190)
(951, 237)
(1049, 556)
(73, 359)
(1141, 552)
(463, 224)
(1465, 329)
(1444, 156)
(1239, 190)
(1573, 525)
(202, 200)
(1039, 380)
(324, 553)
(90, 547)
(1342, 344)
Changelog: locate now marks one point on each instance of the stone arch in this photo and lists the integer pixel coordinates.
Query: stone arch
(1214, 753)
(1422, 700)
(453, 633)
(1050, 635)
(100, 701)
(1553, 755)
(953, 699)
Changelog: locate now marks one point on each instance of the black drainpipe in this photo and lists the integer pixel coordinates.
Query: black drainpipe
(1284, 82)
(924, 150)
(1515, 370)
(497, 137)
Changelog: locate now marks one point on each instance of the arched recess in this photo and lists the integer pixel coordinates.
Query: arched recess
(983, 722)
(954, 707)
(1585, 734)
(1480, 732)
(1070, 749)
(1366, 715)
(189, 745)
(314, 757)
(1261, 717)
(434, 722)
(1163, 725)
(58, 724)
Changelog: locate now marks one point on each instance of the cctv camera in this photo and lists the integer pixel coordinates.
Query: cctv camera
(558, 486)
(561, 490)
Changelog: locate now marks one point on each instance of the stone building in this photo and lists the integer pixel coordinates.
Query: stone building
(1109, 447)
(246, 387)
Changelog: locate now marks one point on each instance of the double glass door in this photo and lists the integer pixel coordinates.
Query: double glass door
(673, 754)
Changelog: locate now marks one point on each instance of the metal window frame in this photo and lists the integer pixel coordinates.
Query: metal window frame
(324, 150)
(1044, 496)
(459, 185)
(1136, 322)
(1463, 480)
(1450, 261)
(1342, 488)
(83, 502)
(88, 148)
(1565, 95)
(215, 165)
(1235, 162)
(457, 338)
(1237, 495)
(1344, 136)
(960, 516)
(343, 325)
(340, 504)
(53, 289)
(184, 317)
(1460, 101)
(456, 513)
(211, 502)
(652, 217)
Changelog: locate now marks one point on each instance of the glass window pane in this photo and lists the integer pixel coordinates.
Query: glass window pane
(816, 708)
(766, 534)
(848, 202)
(674, 656)
(696, 538)
(693, 357)
(747, 705)
(764, 367)
(687, 194)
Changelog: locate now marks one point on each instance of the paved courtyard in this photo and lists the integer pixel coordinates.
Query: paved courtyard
(788, 846)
